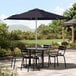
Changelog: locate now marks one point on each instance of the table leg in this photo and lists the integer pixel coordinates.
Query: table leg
(42, 59)
(29, 57)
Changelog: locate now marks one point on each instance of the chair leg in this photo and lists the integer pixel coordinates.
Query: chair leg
(49, 61)
(14, 62)
(33, 64)
(54, 62)
(64, 61)
(57, 61)
(22, 63)
(38, 66)
(26, 62)
(36, 62)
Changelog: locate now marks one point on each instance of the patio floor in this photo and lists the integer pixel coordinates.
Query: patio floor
(58, 71)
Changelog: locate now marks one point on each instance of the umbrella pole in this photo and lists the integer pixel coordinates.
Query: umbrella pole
(36, 32)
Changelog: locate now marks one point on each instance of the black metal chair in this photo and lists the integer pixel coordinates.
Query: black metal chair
(47, 51)
(28, 57)
(55, 55)
(13, 57)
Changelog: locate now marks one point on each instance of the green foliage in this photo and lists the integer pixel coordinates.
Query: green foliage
(14, 35)
(29, 35)
(64, 43)
(72, 46)
(7, 72)
(4, 43)
(52, 30)
(56, 26)
(19, 35)
(4, 36)
(17, 51)
(71, 12)
(43, 29)
(19, 45)
(4, 52)
(3, 31)
(55, 45)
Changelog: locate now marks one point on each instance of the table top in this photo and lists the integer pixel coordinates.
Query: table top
(32, 48)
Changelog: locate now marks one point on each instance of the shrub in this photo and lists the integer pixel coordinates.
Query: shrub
(5, 71)
(64, 43)
(8, 52)
(55, 45)
(2, 52)
(17, 51)
(4, 43)
(20, 44)
(73, 46)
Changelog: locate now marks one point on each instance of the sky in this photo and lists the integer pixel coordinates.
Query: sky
(11, 7)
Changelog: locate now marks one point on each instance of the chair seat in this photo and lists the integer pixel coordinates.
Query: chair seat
(32, 57)
(55, 54)
(27, 56)
(52, 55)
(51, 51)
(60, 54)
(35, 57)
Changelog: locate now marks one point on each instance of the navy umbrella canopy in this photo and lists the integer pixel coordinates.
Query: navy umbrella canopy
(36, 14)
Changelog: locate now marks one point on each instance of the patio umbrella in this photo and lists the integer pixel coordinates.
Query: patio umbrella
(36, 14)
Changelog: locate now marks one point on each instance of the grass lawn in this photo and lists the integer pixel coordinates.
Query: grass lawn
(48, 41)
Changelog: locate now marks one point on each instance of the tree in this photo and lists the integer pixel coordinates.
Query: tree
(4, 36)
(3, 30)
(43, 29)
(71, 12)
(16, 34)
(56, 27)
(29, 35)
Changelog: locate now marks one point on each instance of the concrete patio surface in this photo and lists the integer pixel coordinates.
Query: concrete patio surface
(51, 71)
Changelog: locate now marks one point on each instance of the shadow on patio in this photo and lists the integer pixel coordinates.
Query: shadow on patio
(51, 67)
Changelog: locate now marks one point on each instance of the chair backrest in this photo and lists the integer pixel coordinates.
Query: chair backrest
(46, 46)
(24, 51)
(12, 51)
(62, 49)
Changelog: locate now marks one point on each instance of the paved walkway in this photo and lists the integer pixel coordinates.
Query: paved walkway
(58, 71)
